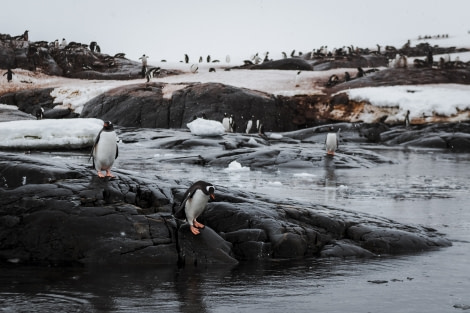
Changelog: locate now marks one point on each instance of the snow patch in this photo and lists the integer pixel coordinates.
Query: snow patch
(203, 127)
(49, 134)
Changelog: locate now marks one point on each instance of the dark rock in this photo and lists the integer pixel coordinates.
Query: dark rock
(354, 61)
(409, 76)
(13, 114)
(144, 105)
(293, 64)
(29, 100)
(56, 213)
(204, 249)
(448, 136)
(140, 105)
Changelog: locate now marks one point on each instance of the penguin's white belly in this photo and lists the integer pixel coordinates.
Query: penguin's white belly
(248, 126)
(226, 123)
(331, 143)
(196, 205)
(105, 151)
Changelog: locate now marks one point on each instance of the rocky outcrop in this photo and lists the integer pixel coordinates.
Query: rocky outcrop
(293, 64)
(406, 76)
(144, 105)
(75, 60)
(52, 212)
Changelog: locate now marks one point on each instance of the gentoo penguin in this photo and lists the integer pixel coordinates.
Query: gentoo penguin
(105, 150)
(226, 122)
(194, 203)
(297, 79)
(39, 113)
(233, 124)
(249, 124)
(331, 143)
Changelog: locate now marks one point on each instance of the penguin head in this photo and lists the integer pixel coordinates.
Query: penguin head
(108, 126)
(210, 189)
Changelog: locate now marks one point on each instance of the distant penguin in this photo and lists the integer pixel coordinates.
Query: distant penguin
(249, 124)
(92, 46)
(194, 68)
(284, 55)
(208, 59)
(63, 43)
(233, 124)
(407, 118)
(39, 113)
(25, 35)
(194, 203)
(331, 143)
(9, 74)
(200, 59)
(297, 79)
(186, 58)
(226, 122)
(105, 150)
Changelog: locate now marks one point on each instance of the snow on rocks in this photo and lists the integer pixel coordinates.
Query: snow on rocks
(49, 134)
(203, 127)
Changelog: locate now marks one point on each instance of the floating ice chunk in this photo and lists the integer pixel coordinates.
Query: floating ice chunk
(304, 175)
(234, 166)
(274, 136)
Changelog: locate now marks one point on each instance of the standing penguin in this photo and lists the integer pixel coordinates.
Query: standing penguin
(226, 122)
(331, 143)
(249, 124)
(9, 74)
(194, 203)
(105, 150)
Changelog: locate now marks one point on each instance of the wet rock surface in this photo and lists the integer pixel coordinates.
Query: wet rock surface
(56, 212)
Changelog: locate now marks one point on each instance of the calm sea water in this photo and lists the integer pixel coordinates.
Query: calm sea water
(426, 187)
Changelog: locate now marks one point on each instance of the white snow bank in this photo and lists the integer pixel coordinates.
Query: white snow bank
(75, 96)
(49, 134)
(442, 99)
(203, 127)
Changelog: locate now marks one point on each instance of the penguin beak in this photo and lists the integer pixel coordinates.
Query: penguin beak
(212, 196)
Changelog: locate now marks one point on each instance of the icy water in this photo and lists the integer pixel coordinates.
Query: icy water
(427, 187)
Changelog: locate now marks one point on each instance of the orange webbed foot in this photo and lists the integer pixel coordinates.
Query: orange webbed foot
(194, 230)
(198, 225)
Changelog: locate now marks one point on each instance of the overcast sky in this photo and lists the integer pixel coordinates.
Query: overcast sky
(169, 29)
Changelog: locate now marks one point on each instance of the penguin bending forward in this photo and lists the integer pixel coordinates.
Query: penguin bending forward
(194, 203)
(105, 150)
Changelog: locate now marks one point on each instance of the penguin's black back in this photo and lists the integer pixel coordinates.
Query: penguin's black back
(202, 185)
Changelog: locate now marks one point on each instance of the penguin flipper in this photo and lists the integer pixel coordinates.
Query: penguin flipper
(117, 152)
(97, 139)
(181, 213)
